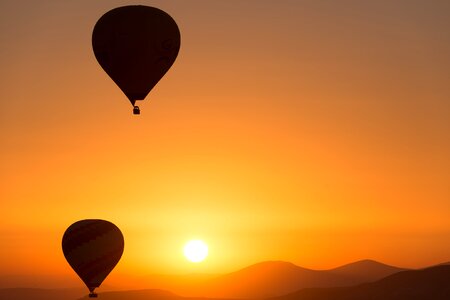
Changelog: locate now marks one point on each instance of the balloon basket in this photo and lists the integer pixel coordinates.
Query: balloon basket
(136, 110)
(93, 295)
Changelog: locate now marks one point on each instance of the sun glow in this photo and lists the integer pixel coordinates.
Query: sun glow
(195, 251)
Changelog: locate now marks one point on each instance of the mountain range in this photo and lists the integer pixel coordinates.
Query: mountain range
(277, 280)
(426, 284)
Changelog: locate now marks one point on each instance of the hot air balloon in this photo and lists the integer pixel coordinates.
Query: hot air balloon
(136, 45)
(92, 248)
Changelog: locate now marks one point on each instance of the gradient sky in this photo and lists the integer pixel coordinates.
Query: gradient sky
(316, 132)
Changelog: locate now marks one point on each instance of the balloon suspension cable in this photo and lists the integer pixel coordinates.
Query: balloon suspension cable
(136, 110)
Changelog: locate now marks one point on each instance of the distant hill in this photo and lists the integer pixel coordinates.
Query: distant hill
(139, 295)
(276, 278)
(366, 270)
(426, 284)
(268, 279)
(40, 294)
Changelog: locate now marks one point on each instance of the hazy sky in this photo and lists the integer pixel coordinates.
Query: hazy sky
(316, 132)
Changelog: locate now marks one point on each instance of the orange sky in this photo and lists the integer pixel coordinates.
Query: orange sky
(286, 130)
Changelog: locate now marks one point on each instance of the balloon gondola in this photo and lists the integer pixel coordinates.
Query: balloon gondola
(136, 45)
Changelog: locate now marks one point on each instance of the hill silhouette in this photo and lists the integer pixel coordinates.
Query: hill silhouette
(426, 284)
(276, 278)
(40, 294)
(140, 295)
(431, 283)
(366, 270)
(268, 279)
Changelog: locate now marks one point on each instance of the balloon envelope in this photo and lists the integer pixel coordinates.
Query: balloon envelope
(136, 45)
(92, 248)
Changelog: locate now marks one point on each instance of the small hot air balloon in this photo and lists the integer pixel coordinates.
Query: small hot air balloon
(136, 45)
(92, 248)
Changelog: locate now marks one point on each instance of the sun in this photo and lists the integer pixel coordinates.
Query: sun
(195, 251)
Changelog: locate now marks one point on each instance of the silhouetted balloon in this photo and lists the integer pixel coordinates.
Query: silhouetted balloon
(136, 46)
(92, 248)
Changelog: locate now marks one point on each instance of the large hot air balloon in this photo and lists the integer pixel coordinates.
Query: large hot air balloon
(136, 45)
(92, 248)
